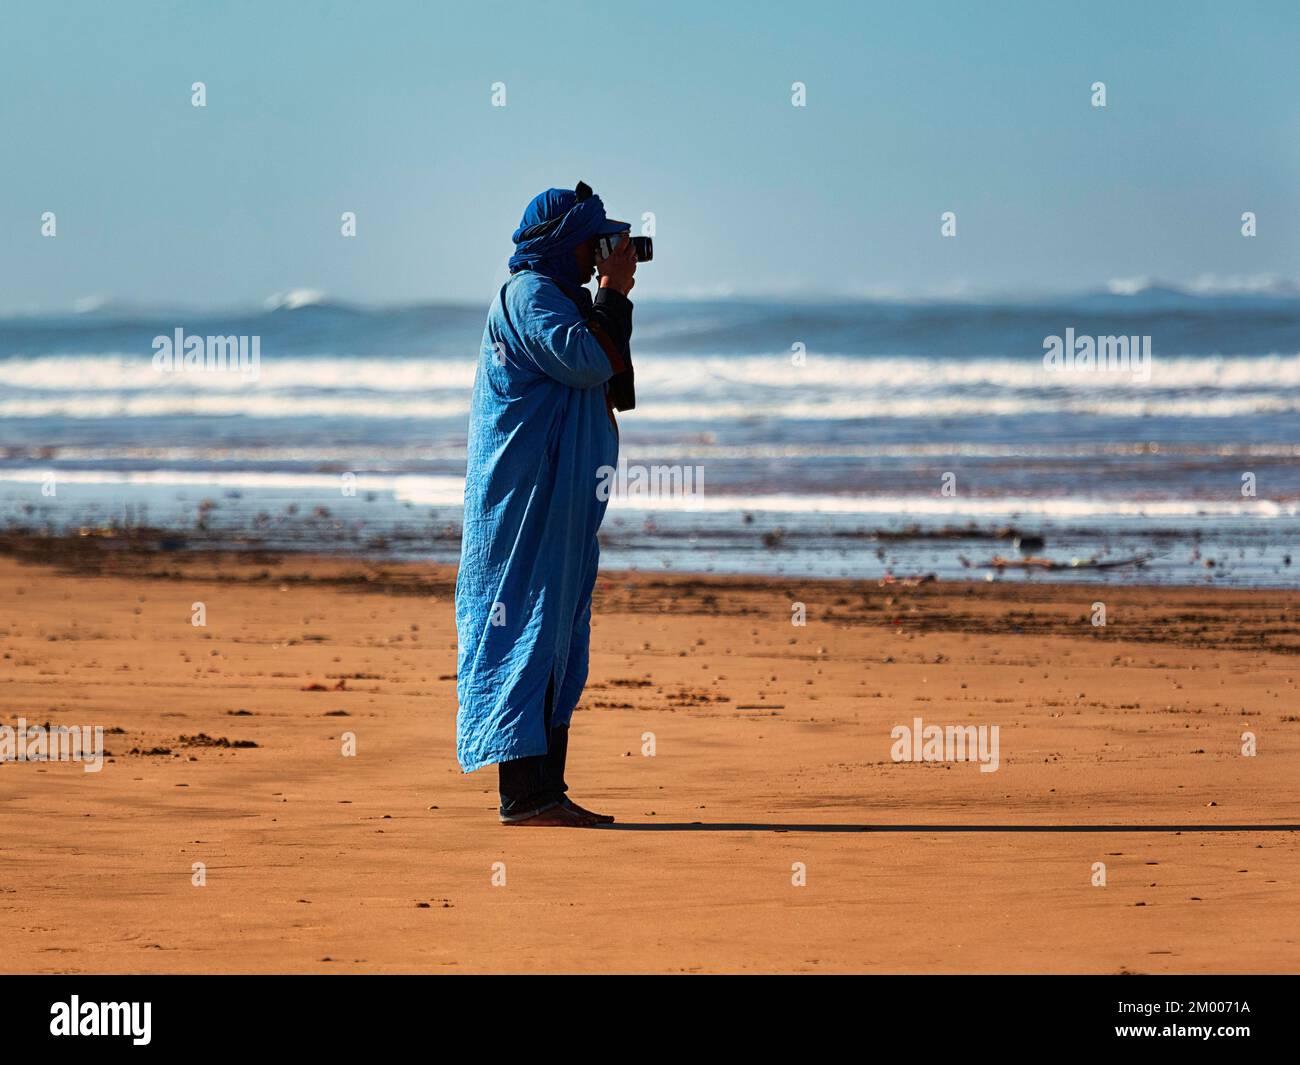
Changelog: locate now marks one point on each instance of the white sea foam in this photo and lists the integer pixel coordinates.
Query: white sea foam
(370, 456)
(120, 373)
(254, 404)
(667, 375)
(446, 490)
(705, 389)
(249, 405)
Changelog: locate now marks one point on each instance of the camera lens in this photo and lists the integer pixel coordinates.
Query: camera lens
(645, 249)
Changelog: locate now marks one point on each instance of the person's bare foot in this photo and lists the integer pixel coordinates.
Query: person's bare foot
(561, 816)
(599, 819)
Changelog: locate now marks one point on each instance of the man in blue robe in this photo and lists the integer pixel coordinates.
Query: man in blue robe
(553, 367)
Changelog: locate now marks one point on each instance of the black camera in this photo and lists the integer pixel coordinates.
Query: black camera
(645, 247)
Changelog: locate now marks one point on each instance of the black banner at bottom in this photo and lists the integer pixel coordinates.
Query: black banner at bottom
(1214, 1014)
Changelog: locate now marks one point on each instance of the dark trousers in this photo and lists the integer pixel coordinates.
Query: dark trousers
(536, 783)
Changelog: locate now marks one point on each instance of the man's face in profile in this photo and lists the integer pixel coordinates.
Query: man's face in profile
(585, 253)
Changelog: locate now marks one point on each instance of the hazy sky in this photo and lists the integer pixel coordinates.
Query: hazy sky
(682, 109)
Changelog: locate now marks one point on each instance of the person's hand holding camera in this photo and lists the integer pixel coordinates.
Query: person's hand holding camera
(617, 270)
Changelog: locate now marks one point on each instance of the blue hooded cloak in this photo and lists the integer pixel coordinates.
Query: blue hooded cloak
(540, 430)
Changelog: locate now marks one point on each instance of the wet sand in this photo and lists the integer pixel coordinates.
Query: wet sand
(772, 754)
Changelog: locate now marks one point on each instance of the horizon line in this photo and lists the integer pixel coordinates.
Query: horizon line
(297, 299)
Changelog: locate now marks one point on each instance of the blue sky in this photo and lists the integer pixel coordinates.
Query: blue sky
(682, 109)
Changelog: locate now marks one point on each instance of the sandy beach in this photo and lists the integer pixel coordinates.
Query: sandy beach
(772, 765)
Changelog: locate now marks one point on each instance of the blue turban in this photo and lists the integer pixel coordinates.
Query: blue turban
(554, 224)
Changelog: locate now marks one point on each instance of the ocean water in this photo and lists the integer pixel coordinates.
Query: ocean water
(846, 439)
